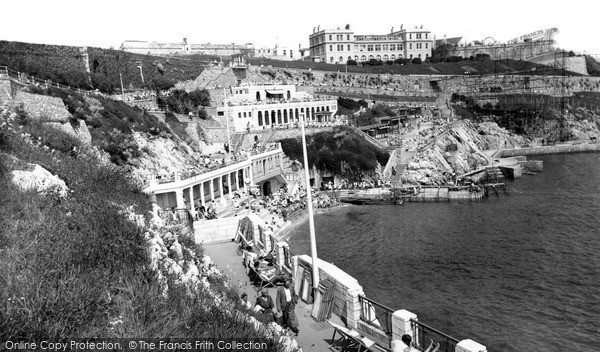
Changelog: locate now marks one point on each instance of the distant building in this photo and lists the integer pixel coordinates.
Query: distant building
(278, 53)
(534, 45)
(340, 45)
(183, 48)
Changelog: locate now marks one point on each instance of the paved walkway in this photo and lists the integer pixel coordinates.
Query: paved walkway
(314, 336)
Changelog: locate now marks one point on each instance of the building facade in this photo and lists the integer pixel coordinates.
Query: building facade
(337, 46)
(183, 48)
(279, 52)
(260, 107)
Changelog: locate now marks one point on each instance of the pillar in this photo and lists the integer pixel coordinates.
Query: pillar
(212, 189)
(280, 248)
(470, 346)
(179, 198)
(250, 176)
(221, 187)
(229, 184)
(202, 194)
(237, 179)
(245, 178)
(192, 206)
(401, 325)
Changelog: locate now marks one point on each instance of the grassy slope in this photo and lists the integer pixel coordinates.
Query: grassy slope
(75, 266)
(426, 68)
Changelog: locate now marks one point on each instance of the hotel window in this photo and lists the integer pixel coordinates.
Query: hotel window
(362, 47)
(331, 48)
(426, 45)
(377, 47)
(370, 47)
(400, 47)
(330, 36)
(426, 35)
(348, 47)
(392, 47)
(340, 47)
(410, 46)
(348, 37)
(410, 36)
(384, 47)
(239, 115)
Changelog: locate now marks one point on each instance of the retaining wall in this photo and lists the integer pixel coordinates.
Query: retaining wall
(217, 230)
(552, 149)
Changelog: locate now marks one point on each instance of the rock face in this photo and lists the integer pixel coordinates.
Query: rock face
(456, 149)
(38, 179)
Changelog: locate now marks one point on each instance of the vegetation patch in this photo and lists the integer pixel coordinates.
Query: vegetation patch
(341, 152)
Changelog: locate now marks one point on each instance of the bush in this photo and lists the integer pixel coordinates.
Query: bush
(417, 61)
(351, 63)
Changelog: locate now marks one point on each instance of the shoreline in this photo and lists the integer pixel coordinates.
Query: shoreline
(284, 232)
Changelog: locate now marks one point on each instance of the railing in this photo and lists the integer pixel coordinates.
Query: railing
(424, 335)
(376, 314)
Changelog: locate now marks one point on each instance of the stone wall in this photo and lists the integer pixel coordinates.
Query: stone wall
(553, 149)
(6, 92)
(217, 230)
(43, 107)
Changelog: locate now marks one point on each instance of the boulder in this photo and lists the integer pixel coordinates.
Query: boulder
(38, 179)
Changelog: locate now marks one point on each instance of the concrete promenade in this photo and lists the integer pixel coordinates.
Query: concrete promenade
(314, 336)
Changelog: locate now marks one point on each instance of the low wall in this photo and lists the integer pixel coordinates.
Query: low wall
(549, 149)
(217, 230)
(347, 289)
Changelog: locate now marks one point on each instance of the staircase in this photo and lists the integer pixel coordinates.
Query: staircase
(369, 139)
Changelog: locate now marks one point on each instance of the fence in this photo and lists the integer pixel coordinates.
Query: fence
(376, 314)
(424, 335)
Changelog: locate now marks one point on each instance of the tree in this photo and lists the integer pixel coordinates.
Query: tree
(351, 63)
(417, 61)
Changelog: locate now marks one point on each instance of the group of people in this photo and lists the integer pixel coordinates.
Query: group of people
(281, 311)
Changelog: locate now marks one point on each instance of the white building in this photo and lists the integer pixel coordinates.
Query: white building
(259, 107)
(340, 45)
(278, 53)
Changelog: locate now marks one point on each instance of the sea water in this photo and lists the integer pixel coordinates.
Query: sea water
(515, 273)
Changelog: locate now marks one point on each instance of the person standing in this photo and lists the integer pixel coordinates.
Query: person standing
(286, 304)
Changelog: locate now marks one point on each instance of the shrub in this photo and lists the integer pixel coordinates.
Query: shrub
(417, 61)
(351, 63)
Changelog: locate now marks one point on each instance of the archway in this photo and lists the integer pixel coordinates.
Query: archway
(266, 188)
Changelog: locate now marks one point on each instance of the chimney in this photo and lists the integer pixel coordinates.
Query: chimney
(392, 30)
(402, 25)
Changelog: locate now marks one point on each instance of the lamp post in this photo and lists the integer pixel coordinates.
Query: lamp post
(311, 220)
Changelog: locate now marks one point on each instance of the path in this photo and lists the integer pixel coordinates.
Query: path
(314, 336)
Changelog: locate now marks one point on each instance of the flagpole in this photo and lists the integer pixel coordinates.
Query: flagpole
(311, 220)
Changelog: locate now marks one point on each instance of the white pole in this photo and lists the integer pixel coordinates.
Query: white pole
(227, 121)
(311, 221)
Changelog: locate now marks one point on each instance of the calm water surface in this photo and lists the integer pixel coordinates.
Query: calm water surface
(517, 273)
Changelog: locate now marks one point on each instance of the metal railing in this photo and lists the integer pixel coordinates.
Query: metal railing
(425, 334)
(376, 314)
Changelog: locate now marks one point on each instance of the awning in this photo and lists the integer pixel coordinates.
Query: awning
(275, 92)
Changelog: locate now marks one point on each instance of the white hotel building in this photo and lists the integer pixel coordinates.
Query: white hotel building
(340, 45)
(260, 107)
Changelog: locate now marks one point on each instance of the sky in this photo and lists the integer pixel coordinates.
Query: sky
(107, 23)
